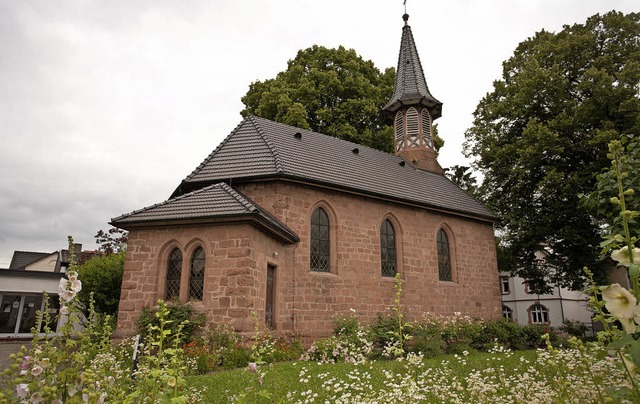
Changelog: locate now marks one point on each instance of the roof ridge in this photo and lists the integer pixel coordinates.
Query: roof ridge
(272, 148)
(238, 196)
(213, 153)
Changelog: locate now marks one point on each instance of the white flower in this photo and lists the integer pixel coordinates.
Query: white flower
(64, 310)
(22, 390)
(36, 370)
(76, 285)
(623, 257)
(620, 302)
(72, 276)
(63, 285)
(253, 367)
(67, 295)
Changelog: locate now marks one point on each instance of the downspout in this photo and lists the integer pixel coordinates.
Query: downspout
(561, 304)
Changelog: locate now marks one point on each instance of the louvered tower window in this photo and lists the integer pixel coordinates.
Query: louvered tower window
(399, 131)
(444, 261)
(319, 241)
(196, 277)
(174, 271)
(413, 130)
(426, 128)
(388, 254)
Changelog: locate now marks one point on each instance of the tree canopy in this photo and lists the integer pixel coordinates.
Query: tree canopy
(102, 276)
(541, 135)
(331, 91)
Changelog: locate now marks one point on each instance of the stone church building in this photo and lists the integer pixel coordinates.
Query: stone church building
(299, 227)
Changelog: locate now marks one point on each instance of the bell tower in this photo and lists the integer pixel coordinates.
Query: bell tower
(412, 108)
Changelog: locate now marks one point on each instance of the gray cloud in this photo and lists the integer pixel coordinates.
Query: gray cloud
(106, 106)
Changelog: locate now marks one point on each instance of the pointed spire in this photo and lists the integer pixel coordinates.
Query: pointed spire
(412, 108)
(411, 86)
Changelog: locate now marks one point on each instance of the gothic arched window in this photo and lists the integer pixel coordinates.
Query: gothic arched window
(444, 258)
(174, 272)
(196, 277)
(388, 256)
(320, 241)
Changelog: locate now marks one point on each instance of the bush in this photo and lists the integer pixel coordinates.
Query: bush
(574, 328)
(346, 325)
(179, 315)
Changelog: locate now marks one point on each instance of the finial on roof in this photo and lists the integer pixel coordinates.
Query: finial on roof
(405, 17)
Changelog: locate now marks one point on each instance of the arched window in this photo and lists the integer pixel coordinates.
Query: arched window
(174, 272)
(196, 277)
(426, 127)
(507, 313)
(388, 256)
(399, 131)
(319, 241)
(538, 314)
(444, 259)
(413, 130)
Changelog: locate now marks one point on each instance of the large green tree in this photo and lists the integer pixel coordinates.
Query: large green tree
(331, 91)
(541, 135)
(102, 276)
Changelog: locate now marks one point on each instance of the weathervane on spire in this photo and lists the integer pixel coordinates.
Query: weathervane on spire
(405, 17)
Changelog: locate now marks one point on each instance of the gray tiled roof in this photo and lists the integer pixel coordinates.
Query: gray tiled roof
(213, 203)
(21, 259)
(259, 148)
(411, 86)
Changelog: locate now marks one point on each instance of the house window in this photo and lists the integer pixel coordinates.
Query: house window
(504, 285)
(319, 241)
(174, 272)
(538, 314)
(507, 313)
(196, 277)
(388, 249)
(19, 313)
(444, 261)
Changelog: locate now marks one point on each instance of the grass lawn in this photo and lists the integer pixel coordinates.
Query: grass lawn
(349, 382)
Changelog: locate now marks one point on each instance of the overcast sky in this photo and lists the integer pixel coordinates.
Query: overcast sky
(105, 106)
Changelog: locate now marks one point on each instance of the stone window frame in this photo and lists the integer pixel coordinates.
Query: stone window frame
(333, 225)
(543, 311)
(186, 251)
(452, 253)
(397, 228)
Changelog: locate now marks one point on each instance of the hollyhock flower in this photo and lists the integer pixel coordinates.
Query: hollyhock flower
(624, 257)
(76, 285)
(63, 285)
(36, 370)
(171, 382)
(67, 295)
(72, 276)
(253, 367)
(22, 390)
(620, 302)
(64, 310)
(36, 397)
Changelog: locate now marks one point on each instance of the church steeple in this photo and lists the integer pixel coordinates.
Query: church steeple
(412, 108)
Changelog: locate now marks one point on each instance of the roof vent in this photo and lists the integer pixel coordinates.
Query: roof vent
(298, 135)
(401, 163)
(356, 151)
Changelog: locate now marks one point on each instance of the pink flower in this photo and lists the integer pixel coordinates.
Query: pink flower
(253, 367)
(22, 390)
